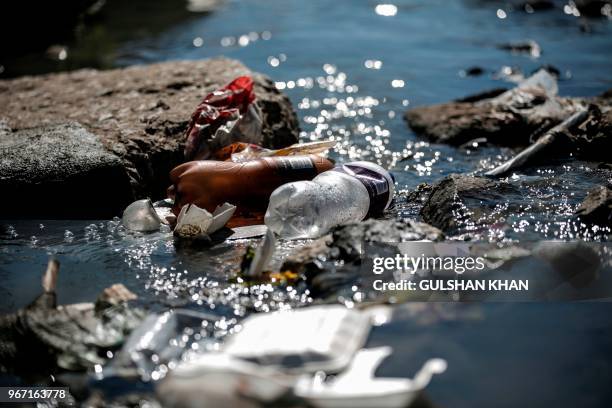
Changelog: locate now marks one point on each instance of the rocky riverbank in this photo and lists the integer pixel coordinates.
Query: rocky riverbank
(104, 138)
(552, 130)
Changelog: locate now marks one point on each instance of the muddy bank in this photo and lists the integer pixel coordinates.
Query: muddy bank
(139, 114)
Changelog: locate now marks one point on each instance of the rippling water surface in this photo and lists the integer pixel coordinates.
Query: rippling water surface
(351, 70)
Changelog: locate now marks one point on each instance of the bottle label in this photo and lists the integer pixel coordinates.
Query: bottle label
(293, 168)
(376, 184)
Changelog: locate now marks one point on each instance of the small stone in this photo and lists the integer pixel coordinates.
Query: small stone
(113, 296)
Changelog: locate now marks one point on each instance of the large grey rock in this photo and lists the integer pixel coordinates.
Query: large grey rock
(60, 171)
(597, 207)
(460, 201)
(140, 113)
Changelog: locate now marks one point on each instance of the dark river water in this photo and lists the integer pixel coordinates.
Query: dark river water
(351, 72)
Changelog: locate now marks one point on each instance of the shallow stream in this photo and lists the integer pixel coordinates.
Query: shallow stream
(351, 72)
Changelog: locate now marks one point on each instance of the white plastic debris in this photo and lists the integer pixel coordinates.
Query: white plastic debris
(542, 82)
(156, 341)
(290, 355)
(248, 231)
(141, 216)
(219, 380)
(163, 208)
(322, 338)
(263, 255)
(358, 387)
(194, 222)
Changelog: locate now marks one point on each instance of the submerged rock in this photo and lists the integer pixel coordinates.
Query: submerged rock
(472, 71)
(139, 113)
(597, 207)
(317, 260)
(528, 47)
(460, 200)
(537, 5)
(60, 171)
(509, 118)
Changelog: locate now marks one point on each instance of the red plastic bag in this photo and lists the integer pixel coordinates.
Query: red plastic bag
(224, 116)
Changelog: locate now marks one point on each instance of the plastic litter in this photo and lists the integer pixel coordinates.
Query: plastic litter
(535, 98)
(290, 355)
(358, 387)
(542, 82)
(321, 338)
(224, 116)
(155, 342)
(240, 152)
(195, 222)
(219, 380)
(249, 231)
(141, 216)
(350, 192)
(263, 255)
(163, 208)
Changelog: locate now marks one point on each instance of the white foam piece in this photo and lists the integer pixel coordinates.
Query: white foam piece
(307, 340)
(357, 387)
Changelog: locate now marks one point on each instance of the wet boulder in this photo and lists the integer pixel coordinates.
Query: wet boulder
(60, 170)
(334, 260)
(408, 203)
(597, 207)
(349, 239)
(139, 113)
(463, 202)
(509, 118)
(594, 140)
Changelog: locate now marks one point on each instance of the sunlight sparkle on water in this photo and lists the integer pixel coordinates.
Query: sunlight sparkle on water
(386, 10)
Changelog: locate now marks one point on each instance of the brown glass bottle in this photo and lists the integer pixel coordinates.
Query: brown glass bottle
(247, 185)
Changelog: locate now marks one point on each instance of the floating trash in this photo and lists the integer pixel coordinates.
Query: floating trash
(280, 355)
(141, 216)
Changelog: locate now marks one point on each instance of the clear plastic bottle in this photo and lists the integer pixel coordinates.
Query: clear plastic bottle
(309, 209)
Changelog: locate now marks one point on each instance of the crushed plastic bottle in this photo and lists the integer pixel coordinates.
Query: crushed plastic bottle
(141, 216)
(350, 192)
